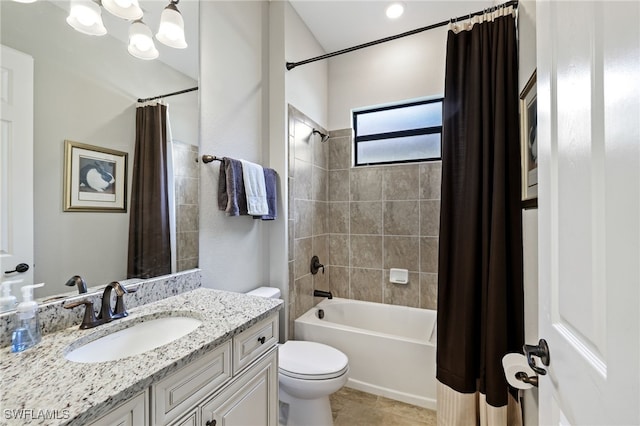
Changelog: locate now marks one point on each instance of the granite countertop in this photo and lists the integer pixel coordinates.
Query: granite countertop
(40, 386)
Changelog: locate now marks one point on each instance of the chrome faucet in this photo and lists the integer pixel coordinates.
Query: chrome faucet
(106, 313)
(79, 282)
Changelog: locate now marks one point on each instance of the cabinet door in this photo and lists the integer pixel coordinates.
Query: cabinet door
(179, 392)
(251, 400)
(191, 419)
(132, 413)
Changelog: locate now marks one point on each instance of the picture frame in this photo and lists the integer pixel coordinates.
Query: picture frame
(529, 142)
(95, 179)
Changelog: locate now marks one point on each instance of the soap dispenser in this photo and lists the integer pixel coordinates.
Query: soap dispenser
(8, 300)
(27, 333)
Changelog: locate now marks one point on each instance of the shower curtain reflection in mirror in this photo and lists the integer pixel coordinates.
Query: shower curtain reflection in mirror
(152, 209)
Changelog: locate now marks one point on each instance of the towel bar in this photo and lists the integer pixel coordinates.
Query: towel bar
(209, 158)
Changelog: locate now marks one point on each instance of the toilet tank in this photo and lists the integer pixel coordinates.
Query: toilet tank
(268, 292)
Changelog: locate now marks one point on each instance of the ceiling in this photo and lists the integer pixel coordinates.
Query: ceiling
(341, 24)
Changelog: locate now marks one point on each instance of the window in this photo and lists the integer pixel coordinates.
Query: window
(399, 133)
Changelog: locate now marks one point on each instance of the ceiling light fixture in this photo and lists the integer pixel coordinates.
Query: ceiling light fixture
(395, 10)
(141, 41)
(171, 30)
(125, 9)
(85, 16)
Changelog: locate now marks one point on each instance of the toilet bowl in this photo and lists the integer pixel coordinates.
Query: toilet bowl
(308, 372)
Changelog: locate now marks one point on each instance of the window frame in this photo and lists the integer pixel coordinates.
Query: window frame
(396, 134)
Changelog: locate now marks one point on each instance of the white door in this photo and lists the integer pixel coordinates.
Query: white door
(588, 56)
(16, 167)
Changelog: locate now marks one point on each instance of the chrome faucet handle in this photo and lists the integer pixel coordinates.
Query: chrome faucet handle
(89, 320)
(316, 265)
(120, 311)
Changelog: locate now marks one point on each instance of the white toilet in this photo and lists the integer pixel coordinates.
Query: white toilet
(308, 372)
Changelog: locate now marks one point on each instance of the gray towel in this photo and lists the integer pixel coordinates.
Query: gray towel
(231, 195)
(271, 182)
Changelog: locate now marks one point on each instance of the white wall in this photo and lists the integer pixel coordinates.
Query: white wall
(278, 230)
(234, 86)
(307, 86)
(407, 68)
(244, 92)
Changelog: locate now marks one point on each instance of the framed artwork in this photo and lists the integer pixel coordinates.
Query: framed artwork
(529, 140)
(95, 179)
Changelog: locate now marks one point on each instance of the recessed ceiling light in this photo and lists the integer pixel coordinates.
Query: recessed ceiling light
(395, 10)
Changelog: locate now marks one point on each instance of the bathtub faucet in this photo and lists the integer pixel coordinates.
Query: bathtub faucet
(321, 293)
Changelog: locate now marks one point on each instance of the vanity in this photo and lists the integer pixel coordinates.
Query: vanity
(223, 372)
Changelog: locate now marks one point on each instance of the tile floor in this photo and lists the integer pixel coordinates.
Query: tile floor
(351, 407)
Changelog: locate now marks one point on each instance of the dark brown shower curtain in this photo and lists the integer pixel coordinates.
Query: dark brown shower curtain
(149, 232)
(480, 290)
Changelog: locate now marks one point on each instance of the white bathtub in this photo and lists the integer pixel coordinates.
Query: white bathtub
(391, 349)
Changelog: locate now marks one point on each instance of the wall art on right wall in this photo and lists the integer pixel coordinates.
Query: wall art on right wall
(529, 142)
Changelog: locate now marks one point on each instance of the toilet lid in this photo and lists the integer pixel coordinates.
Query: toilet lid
(311, 360)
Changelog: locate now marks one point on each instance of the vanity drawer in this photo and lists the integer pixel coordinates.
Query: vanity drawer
(253, 342)
(181, 390)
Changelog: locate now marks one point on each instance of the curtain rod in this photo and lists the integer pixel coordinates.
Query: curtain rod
(292, 65)
(179, 92)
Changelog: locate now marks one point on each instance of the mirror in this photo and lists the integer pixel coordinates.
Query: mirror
(85, 90)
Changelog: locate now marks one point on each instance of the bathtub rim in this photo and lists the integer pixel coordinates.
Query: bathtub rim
(310, 317)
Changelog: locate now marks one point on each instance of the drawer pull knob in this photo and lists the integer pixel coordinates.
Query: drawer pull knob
(211, 423)
(262, 340)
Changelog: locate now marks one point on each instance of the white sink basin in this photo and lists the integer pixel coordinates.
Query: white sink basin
(139, 338)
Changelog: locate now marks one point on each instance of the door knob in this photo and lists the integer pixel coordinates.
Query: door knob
(541, 350)
(20, 267)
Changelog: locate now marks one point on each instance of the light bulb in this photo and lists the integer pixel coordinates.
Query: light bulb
(125, 9)
(171, 30)
(85, 17)
(395, 10)
(141, 42)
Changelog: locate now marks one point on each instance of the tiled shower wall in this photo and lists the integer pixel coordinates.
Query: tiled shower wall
(187, 186)
(382, 217)
(360, 222)
(308, 218)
